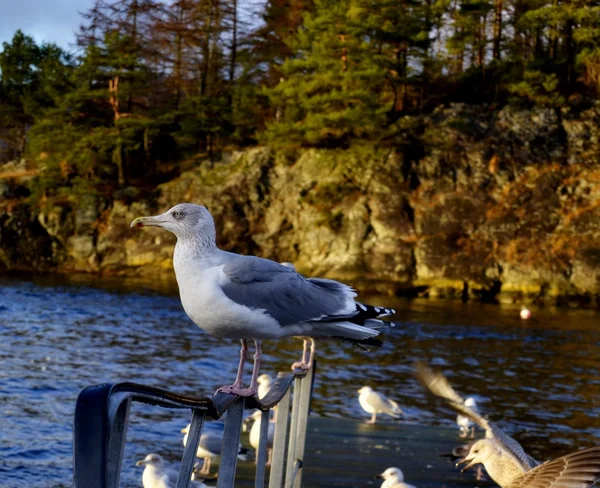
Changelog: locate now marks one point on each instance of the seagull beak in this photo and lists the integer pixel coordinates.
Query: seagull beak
(379, 477)
(465, 460)
(183, 431)
(141, 462)
(148, 222)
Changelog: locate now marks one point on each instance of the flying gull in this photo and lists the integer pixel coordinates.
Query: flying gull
(580, 469)
(209, 447)
(507, 458)
(250, 298)
(393, 478)
(503, 457)
(373, 402)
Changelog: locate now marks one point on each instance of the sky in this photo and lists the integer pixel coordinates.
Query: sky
(44, 20)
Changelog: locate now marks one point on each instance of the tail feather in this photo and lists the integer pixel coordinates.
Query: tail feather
(396, 410)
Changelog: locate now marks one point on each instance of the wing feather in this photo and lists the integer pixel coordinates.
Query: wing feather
(579, 469)
(285, 295)
(438, 384)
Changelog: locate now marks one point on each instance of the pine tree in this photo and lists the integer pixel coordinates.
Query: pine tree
(32, 79)
(329, 91)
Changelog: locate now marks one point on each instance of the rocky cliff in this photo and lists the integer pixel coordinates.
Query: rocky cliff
(471, 202)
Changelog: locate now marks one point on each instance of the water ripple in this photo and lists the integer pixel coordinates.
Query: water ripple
(539, 379)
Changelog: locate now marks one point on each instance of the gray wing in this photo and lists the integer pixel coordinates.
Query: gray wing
(580, 469)
(381, 403)
(285, 295)
(438, 384)
(211, 443)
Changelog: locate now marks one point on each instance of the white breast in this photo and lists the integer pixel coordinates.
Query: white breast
(153, 479)
(209, 308)
(255, 433)
(367, 407)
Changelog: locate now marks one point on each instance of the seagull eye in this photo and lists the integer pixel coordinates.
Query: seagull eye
(178, 215)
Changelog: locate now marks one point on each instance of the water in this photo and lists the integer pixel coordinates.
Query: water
(539, 378)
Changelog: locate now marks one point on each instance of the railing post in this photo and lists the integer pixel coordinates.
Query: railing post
(261, 455)
(191, 446)
(231, 444)
(291, 450)
(302, 424)
(279, 442)
(101, 418)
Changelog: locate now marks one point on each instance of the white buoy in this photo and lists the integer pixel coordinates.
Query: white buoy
(525, 313)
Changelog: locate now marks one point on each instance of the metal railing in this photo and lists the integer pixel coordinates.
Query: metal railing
(102, 413)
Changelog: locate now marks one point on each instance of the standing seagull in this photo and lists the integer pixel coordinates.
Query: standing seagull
(256, 420)
(393, 478)
(209, 447)
(264, 385)
(374, 403)
(465, 424)
(249, 298)
(156, 474)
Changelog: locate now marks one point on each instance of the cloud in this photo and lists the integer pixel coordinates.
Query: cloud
(45, 20)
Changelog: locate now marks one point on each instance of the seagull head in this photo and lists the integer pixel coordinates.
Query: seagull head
(365, 389)
(470, 402)
(479, 453)
(394, 474)
(250, 419)
(154, 460)
(184, 220)
(264, 379)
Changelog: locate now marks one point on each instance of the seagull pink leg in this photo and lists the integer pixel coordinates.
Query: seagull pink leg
(238, 383)
(305, 363)
(236, 389)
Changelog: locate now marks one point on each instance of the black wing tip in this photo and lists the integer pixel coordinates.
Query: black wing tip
(372, 311)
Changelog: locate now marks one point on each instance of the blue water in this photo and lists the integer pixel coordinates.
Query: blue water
(540, 378)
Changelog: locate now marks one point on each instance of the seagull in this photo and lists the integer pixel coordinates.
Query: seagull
(503, 457)
(256, 418)
(264, 385)
(461, 451)
(507, 458)
(209, 447)
(249, 298)
(465, 424)
(156, 474)
(580, 469)
(374, 403)
(393, 478)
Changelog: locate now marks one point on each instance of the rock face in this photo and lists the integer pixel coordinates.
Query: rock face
(471, 203)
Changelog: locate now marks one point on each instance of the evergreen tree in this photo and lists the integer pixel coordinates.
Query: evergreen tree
(329, 91)
(32, 79)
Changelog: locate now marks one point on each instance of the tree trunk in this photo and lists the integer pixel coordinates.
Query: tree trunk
(233, 56)
(497, 30)
(569, 52)
(113, 99)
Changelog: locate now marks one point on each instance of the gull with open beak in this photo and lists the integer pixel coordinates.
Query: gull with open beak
(249, 298)
(504, 456)
(580, 469)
